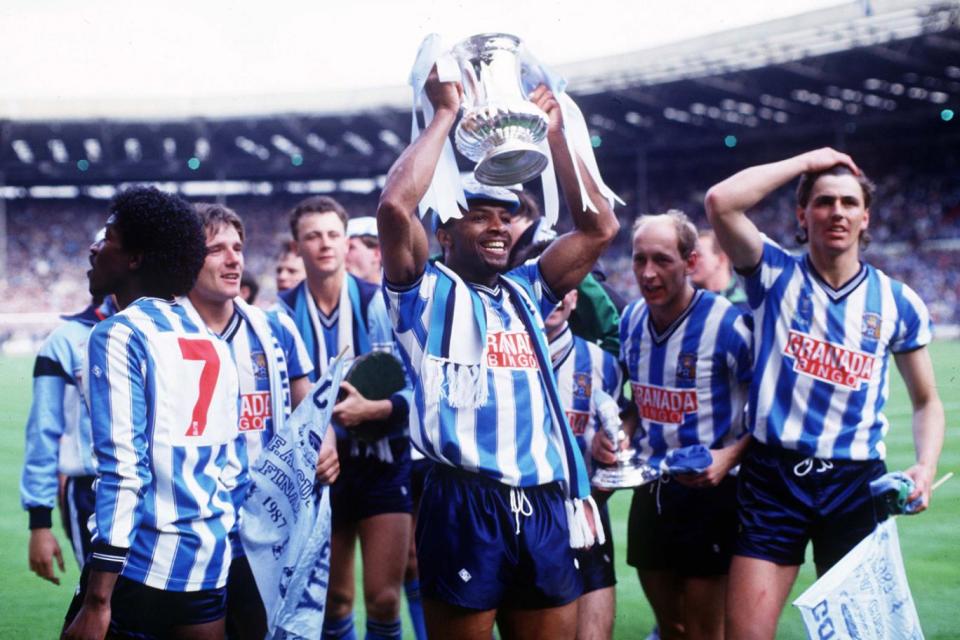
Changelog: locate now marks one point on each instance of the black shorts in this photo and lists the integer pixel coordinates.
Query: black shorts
(418, 475)
(676, 528)
(596, 563)
(79, 501)
(142, 612)
(369, 487)
(470, 555)
(786, 500)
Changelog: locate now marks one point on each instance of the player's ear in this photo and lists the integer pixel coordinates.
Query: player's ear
(691, 261)
(135, 261)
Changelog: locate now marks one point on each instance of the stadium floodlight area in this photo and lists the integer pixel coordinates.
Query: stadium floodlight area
(834, 76)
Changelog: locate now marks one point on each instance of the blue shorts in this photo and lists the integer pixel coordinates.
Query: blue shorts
(79, 499)
(684, 530)
(470, 555)
(418, 475)
(786, 500)
(145, 613)
(368, 487)
(596, 563)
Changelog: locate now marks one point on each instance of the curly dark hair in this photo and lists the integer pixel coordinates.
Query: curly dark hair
(166, 230)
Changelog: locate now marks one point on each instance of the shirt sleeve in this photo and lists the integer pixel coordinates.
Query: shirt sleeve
(46, 423)
(914, 326)
(772, 263)
(116, 372)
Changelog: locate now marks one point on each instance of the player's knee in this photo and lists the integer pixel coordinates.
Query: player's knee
(383, 604)
(339, 602)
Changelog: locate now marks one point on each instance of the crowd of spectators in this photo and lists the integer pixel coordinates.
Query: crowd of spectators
(915, 227)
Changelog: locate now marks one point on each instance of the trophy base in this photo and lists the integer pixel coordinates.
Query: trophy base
(623, 476)
(509, 164)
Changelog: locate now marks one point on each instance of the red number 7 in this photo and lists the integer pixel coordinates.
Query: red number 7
(205, 351)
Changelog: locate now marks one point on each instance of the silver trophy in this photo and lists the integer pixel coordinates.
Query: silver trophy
(628, 471)
(500, 128)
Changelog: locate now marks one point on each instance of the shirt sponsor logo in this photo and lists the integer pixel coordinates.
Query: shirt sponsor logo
(829, 362)
(666, 405)
(510, 350)
(578, 421)
(254, 411)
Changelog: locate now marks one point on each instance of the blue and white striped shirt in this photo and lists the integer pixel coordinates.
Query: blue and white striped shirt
(689, 382)
(822, 355)
(510, 437)
(58, 438)
(163, 402)
(581, 367)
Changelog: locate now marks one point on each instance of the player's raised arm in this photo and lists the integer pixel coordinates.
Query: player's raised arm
(403, 241)
(571, 256)
(727, 202)
(928, 419)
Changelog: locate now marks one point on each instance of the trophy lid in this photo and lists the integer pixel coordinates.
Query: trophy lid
(476, 45)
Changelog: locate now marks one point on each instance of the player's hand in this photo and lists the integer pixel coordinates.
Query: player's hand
(922, 476)
(92, 623)
(825, 158)
(352, 409)
(328, 462)
(603, 449)
(444, 96)
(723, 460)
(43, 549)
(544, 98)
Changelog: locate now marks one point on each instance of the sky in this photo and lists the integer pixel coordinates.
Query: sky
(114, 56)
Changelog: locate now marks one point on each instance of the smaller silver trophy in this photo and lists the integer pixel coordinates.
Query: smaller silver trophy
(500, 128)
(628, 471)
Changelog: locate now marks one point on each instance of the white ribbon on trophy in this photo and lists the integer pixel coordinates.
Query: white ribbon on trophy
(445, 195)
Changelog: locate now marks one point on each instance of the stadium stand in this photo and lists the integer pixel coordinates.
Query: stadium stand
(883, 85)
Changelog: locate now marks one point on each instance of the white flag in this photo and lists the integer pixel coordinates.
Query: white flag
(865, 596)
(285, 520)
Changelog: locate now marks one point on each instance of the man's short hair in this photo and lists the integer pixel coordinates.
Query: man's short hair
(287, 247)
(168, 234)
(316, 204)
(216, 216)
(686, 231)
(807, 180)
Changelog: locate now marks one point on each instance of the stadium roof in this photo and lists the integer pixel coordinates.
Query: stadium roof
(832, 75)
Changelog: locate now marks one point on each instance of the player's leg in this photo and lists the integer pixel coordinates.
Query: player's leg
(384, 541)
(664, 592)
(547, 624)
(450, 622)
(649, 550)
(595, 612)
(411, 577)
(756, 592)
(703, 607)
(775, 498)
(595, 608)
(207, 631)
(338, 619)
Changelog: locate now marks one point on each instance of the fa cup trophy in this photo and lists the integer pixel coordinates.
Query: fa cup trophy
(500, 128)
(627, 472)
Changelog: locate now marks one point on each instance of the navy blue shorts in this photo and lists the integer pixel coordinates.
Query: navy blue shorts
(368, 487)
(786, 500)
(145, 613)
(79, 499)
(470, 555)
(596, 563)
(418, 475)
(687, 531)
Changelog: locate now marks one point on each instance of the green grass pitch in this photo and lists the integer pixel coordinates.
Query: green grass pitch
(33, 608)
